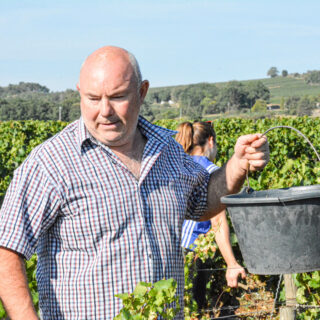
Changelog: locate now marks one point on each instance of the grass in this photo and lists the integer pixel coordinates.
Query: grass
(287, 87)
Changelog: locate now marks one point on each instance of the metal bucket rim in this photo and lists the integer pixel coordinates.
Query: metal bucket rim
(273, 195)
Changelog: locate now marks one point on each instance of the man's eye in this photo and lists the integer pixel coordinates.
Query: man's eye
(118, 97)
(94, 98)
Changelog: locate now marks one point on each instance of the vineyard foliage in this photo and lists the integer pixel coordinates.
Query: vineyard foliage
(292, 163)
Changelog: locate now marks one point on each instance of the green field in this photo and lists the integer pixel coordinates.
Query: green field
(286, 87)
(279, 87)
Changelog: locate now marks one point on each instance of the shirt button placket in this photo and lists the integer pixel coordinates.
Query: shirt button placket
(147, 248)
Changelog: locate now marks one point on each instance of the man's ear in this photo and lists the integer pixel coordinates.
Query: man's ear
(143, 89)
(78, 86)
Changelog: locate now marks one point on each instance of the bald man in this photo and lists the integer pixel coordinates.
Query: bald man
(102, 202)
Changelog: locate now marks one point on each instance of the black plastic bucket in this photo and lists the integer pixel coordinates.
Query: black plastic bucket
(278, 230)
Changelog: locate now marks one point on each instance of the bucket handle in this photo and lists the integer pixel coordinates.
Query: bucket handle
(287, 127)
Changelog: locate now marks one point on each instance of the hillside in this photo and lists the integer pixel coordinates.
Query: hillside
(287, 87)
(279, 87)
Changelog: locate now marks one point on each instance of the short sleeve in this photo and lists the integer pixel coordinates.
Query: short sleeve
(29, 208)
(197, 203)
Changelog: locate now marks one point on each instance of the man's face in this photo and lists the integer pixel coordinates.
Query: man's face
(110, 100)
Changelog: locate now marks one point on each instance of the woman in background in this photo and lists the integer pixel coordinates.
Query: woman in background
(199, 140)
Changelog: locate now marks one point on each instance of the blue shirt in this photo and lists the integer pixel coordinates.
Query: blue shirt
(97, 230)
(192, 229)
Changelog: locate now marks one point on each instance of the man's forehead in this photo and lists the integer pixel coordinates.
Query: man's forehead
(105, 66)
(107, 58)
(101, 82)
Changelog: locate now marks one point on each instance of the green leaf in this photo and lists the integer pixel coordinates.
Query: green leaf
(2, 311)
(316, 276)
(122, 296)
(314, 284)
(141, 289)
(301, 296)
(165, 284)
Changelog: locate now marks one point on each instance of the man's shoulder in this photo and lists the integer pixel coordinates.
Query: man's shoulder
(153, 131)
(58, 144)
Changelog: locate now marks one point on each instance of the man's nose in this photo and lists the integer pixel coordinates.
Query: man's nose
(106, 108)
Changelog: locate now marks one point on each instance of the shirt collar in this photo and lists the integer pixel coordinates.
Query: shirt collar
(83, 133)
(152, 131)
(149, 130)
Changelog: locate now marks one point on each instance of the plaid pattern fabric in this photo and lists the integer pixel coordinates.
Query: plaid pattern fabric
(191, 229)
(98, 230)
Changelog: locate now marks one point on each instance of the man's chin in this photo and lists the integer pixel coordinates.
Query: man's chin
(110, 140)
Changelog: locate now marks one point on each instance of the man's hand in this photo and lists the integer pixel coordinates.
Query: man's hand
(253, 150)
(233, 273)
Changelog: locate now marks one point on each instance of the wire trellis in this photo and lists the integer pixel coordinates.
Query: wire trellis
(271, 308)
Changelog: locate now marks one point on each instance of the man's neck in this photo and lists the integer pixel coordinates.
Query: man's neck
(131, 154)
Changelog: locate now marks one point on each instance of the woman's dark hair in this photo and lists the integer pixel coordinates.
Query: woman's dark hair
(194, 134)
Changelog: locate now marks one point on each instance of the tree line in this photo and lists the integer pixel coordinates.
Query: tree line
(25, 101)
(32, 101)
(311, 76)
(197, 100)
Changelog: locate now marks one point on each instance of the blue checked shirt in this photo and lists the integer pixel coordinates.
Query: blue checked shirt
(97, 230)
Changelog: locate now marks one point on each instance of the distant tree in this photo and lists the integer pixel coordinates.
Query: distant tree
(3, 109)
(313, 77)
(191, 97)
(305, 107)
(152, 97)
(273, 72)
(74, 112)
(292, 104)
(43, 110)
(16, 109)
(175, 93)
(164, 95)
(257, 90)
(146, 111)
(259, 106)
(233, 97)
(14, 89)
(209, 106)
(284, 73)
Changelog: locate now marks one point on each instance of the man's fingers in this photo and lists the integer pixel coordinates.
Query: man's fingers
(251, 149)
(257, 164)
(257, 143)
(252, 143)
(255, 156)
(249, 138)
(232, 282)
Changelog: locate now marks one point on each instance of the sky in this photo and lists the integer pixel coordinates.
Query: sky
(175, 41)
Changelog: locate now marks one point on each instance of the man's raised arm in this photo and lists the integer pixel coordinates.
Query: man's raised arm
(14, 290)
(251, 151)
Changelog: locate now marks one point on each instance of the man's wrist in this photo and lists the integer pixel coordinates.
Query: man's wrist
(233, 265)
(235, 173)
